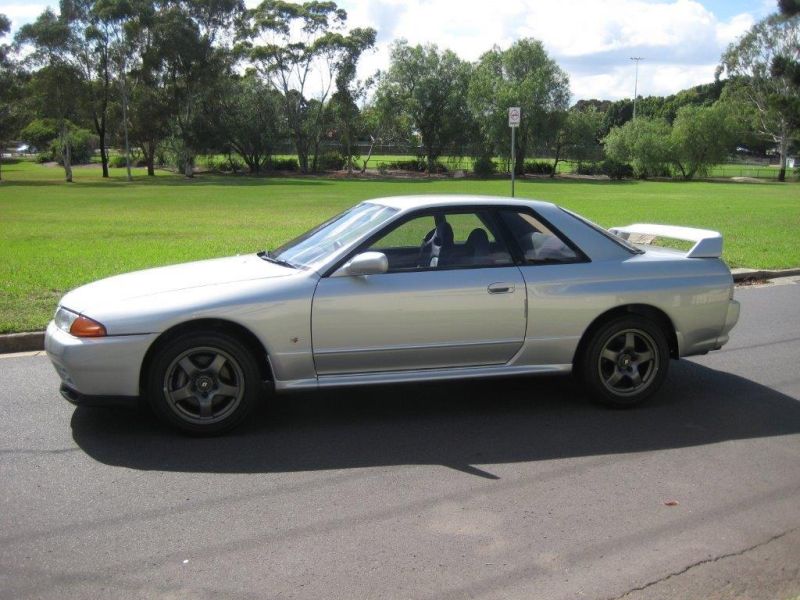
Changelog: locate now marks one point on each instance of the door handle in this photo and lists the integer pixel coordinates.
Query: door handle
(500, 288)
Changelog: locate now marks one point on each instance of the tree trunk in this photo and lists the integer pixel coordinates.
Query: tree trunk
(555, 163)
(783, 148)
(103, 153)
(349, 156)
(67, 157)
(369, 155)
(519, 163)
(149, 151)
(125, 127)
(188, 166)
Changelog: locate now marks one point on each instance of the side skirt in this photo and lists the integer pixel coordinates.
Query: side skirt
(384, 377)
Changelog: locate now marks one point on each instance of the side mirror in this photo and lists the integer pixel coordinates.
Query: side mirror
(366, 263)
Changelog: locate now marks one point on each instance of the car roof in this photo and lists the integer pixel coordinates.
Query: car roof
(429, 201)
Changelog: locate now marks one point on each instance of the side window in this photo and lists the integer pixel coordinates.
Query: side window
(538, 243)
(443, 241)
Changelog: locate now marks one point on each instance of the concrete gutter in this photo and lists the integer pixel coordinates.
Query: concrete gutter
(34, 340)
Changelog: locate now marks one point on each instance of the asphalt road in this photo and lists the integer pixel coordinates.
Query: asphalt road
(504, 489)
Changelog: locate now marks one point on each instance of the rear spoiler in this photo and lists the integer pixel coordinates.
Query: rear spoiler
(708, 243)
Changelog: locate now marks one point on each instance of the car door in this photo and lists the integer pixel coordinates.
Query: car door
(463, 307)
(555, 272)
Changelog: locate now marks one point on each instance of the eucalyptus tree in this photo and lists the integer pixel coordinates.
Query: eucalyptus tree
(111, 29)
(251, 120)
(298, 48)
(188, 57)
(772, 96)
(349, 90)
(10, 83)
(57, 87)
(525, 76)
(89, 49)
(428, 86)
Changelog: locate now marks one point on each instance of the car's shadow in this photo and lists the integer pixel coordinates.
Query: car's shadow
(457, 424)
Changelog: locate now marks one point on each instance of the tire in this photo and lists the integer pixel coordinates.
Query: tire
(625, 361)
(203, 383)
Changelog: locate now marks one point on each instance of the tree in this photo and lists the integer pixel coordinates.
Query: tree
(429, 86)
(251, 120)
(57, 87)
(10, 91)
(644, 143)
(524, 76)
(583, 131)
(772, 97)
(701, 137)
(89, 45)
(188, 59)
(344, 102)
(298, 40)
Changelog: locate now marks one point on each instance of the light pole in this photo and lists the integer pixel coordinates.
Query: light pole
(636, 59)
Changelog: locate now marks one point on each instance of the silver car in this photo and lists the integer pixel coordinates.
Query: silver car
(394, 290)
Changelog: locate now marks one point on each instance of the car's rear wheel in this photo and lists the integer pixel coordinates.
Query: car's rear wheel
(625, 361)
(203, 383)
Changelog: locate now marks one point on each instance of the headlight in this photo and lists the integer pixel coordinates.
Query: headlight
(78, 325)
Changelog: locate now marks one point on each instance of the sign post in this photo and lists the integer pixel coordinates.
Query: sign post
(514, 116)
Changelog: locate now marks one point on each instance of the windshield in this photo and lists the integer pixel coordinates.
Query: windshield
(338, 232)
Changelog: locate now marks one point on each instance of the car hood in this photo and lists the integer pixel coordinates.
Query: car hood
(174, 278)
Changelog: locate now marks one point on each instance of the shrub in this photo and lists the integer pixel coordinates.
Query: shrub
(225, 164)
(284, 164)
(538, 167)
(117, 161)
(416, 165)
(616, 169)
(590, 168)
(484, 166)
(330, 161)
(43, 157)
(82, 144)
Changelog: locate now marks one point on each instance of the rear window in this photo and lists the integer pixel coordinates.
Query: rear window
(605, 232)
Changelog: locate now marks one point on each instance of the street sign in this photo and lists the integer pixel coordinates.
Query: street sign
(514, 116)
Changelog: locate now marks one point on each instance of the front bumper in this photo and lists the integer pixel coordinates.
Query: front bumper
(107, 366)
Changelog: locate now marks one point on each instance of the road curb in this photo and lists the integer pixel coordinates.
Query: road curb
(21, 342)
(743, 275)
(34, 340)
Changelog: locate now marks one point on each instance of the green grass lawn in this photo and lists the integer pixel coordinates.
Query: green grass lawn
(56, 236)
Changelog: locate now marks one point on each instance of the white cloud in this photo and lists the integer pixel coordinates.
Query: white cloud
(681, 40)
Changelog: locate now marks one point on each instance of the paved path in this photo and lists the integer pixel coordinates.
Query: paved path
(511, 489)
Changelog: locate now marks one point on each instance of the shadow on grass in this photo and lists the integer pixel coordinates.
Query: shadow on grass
(456, 425)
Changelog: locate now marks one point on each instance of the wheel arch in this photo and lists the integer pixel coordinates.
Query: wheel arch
(244, 335)
(643, 310)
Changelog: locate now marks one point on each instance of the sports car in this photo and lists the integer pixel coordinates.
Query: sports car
(395, 290)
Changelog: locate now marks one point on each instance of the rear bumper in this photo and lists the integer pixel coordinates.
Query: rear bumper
(79, 399)
(731, 318)
(106, 367)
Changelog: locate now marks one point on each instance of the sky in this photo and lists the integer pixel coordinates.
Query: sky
(592, 40)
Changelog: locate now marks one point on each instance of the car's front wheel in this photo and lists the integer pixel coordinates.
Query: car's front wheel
(625, 361)
(203, 383)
